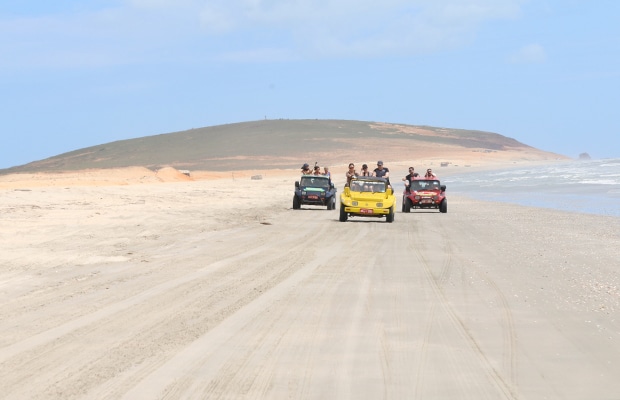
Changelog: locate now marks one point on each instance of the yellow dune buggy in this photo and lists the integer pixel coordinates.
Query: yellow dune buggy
(367, 197)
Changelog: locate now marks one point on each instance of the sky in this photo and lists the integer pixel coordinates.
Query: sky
(78, 73)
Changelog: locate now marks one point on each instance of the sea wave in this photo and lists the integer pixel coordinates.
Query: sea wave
(589, 186)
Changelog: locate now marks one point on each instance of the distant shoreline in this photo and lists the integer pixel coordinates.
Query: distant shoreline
(142, 175)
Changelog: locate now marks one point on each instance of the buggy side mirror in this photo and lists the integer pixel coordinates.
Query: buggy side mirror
(443, 188)
(297, 184)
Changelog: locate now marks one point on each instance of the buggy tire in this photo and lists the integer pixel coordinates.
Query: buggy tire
(443, 206)
(343, 214)
(296, 203)
(390, 217)
(407, 205)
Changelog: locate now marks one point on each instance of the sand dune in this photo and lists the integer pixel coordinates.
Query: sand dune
(458, 160)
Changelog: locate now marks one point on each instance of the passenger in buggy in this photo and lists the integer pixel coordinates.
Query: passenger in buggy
(407, 179)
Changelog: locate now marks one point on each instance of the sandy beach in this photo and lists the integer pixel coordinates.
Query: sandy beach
(134, 284)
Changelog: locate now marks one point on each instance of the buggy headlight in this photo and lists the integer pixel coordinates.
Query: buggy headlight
(354, 203)
(379, 205)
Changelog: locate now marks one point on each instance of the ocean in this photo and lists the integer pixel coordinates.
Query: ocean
(584, 186)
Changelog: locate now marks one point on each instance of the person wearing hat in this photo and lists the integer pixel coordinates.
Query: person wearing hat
(365, 171)
(305, 169)
(381, 171)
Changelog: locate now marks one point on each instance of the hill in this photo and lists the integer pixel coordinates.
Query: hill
(285, 144)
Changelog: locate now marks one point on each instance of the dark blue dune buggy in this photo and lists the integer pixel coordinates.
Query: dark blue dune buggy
(314, 190)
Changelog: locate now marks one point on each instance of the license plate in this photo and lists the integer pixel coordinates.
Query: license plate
(366, 211)
(313, 197)
(426, 201)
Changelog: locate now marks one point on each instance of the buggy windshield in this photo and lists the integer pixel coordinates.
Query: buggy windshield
(315, 182)
(367, 186)
(424, 185)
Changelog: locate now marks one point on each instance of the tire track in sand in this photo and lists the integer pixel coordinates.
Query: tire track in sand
(507, 387)
(194, 359)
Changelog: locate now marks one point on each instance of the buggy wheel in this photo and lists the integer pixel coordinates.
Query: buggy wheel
(296, 203)
(331, 204)
(343, 214)
(407, 205)
(390, 216)
(443, 207)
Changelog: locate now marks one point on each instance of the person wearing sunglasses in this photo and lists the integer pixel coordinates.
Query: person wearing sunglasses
(382, 172)
(429, 174)
(351, 173)
(411, 176)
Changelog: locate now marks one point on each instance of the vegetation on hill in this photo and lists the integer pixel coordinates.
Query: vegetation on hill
(265, 144)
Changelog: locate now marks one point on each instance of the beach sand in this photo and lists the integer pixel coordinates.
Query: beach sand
(148, 285)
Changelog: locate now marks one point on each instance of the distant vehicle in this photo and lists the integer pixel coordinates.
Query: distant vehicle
(314, 190)
(367, 197)
(425, 193)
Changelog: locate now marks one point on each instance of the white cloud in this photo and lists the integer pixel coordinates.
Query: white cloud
(148, 30)
(347, 28)
(530, 54)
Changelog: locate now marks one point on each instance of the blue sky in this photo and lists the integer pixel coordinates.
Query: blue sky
(79, 73)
